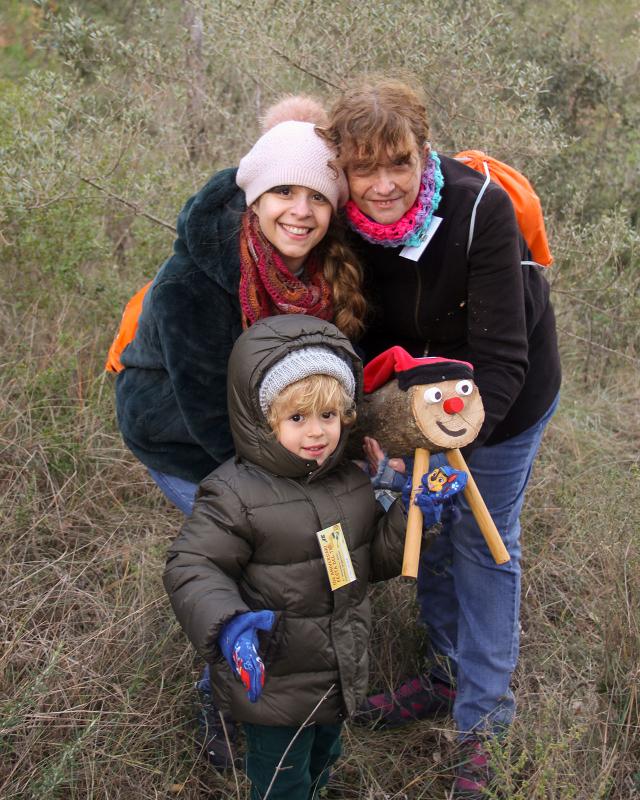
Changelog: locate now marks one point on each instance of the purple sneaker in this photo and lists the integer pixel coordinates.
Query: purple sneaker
(416, 698)
(473, 773)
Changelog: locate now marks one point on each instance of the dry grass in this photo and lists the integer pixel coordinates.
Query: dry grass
(96, 697)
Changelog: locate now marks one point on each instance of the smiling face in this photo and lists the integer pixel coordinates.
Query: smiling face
(294, 219)
(313, 435)
(448, 413)
(386, 191)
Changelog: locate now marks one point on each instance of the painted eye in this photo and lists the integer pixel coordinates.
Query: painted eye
(464, 388)
(433, 394)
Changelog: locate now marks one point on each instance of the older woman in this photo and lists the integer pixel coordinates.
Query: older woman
(444, 275)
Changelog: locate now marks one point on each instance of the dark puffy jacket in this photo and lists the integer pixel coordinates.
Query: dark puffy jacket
(172, 395)
(251, 544)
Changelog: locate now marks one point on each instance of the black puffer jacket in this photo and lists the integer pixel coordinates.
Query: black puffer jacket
(251, 544)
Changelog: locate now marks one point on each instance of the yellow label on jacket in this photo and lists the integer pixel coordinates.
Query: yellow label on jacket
(336, 556)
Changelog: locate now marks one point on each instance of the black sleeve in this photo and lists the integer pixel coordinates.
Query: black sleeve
(387, 547)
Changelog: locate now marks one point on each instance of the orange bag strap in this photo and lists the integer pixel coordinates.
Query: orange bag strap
(127, 330)
(525, 201)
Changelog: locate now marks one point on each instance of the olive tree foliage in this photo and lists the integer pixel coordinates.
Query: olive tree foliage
(134, 105)
(475, 94)
(116, 95)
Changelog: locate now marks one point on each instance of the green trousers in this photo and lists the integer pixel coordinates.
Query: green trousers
(303, 772)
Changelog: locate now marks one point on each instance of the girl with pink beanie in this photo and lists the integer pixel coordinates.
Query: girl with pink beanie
(256, 241)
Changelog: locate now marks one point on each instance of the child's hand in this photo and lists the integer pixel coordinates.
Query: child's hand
(238, 642)
(249, 665)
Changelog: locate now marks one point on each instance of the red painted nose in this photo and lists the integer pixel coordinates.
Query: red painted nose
(453, 405)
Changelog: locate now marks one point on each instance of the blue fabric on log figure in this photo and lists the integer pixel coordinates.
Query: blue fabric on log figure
(436, 493)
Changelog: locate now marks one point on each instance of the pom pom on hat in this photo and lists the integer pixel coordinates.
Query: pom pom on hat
(299, 364)
(297, 107)
(409, 371)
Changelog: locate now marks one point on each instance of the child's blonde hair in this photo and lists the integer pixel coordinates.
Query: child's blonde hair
(312, 395)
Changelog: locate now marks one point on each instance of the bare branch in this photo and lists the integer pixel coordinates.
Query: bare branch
(306, 72)
(61, 198)
(295, 736)
(601, 346)
(607, 312)
(195, 72)
(133, 206)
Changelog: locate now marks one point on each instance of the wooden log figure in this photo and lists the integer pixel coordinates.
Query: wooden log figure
(429, 405)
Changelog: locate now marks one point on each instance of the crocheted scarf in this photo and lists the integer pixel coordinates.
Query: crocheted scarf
(267, 287)
(411, 229)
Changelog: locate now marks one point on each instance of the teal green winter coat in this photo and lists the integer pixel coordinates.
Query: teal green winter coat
(171, 396)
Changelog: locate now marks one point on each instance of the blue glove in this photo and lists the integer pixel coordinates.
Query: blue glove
(437, 490)
(238, 642)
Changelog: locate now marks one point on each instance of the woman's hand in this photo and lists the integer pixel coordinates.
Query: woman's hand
(375, 455)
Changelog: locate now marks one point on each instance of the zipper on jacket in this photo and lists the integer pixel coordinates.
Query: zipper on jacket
(425, 351)
(418, 293)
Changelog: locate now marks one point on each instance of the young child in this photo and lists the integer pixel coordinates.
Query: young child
(268, 577)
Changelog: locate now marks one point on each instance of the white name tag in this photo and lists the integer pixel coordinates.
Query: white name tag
(336, 556)
(414, 253)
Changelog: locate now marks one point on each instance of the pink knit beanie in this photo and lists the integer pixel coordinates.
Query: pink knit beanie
(291, 153)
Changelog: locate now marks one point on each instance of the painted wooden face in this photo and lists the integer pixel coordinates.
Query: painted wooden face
(448, 413)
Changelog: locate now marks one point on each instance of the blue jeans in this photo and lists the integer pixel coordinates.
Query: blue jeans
(471, 605)
(178, 491)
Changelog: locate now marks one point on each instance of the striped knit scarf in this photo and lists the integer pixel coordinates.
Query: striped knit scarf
(267, 287)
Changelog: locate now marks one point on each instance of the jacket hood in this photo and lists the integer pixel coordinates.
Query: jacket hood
(258, 349)
(209, 227)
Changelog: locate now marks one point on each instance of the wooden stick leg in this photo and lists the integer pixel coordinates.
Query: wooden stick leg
(480, 511)
(413, 539)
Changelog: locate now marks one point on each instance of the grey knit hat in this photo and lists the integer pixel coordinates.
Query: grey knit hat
(292, 154)
(299, 364)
